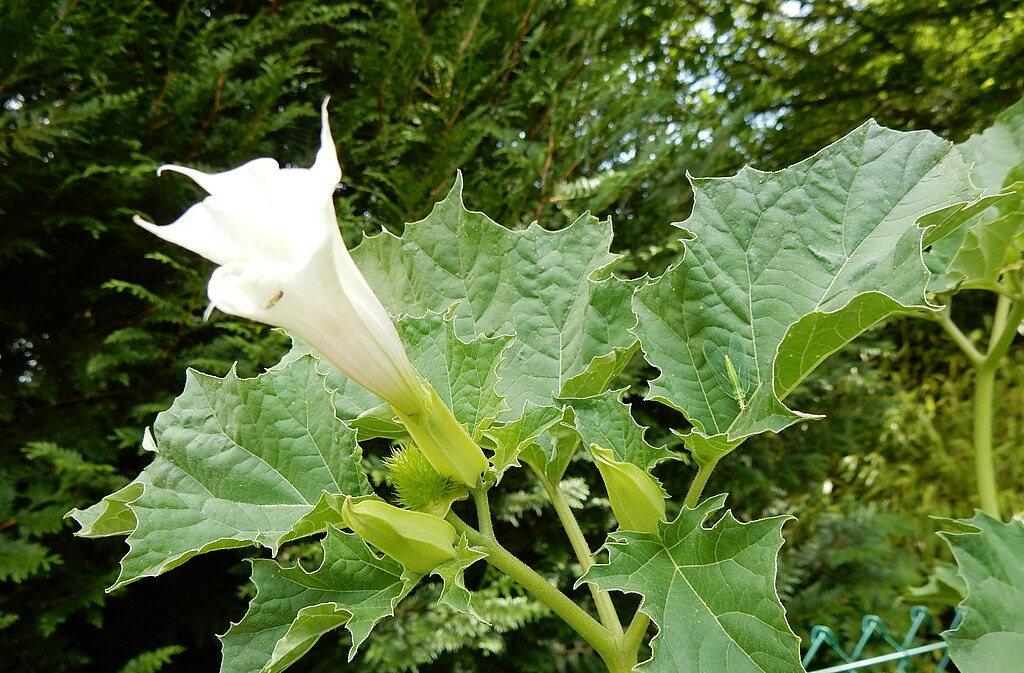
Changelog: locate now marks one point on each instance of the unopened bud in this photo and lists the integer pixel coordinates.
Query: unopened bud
(637, 499)
(419, 541)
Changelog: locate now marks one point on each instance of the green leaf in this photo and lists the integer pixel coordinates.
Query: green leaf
(976, 255)
(599, 375)
(711, 591)
(510, 439)
(293, 608)
(350, 399)
(455, 594)
(464, 374)
(606, 420)
(946, 221)
(782, 269)
(998, 150)
(551, 289)
(112, 515)
(550, 454)
(991, 635)
(238, 462)
(944, 587)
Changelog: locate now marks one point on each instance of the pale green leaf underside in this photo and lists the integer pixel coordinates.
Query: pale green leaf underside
(541, 286)
(991, 635)
(797, 263)
(238, 462)
(711, 591)
(292, 608)
(976, 255)
(998, 150)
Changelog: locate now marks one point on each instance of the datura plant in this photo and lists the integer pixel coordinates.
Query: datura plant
(476, 350)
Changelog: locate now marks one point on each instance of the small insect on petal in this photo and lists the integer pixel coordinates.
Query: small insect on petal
(273, 300)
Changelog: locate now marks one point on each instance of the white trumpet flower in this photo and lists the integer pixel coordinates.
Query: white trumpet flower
(274, 236)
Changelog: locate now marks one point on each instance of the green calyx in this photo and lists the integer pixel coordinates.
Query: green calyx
(417, 540)
(637, 499)
(443, 441)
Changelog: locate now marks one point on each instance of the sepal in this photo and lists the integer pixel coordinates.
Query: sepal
(443, 440)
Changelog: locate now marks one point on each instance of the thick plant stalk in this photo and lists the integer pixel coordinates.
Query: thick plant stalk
(699, 482)
(984, 465)
(1004, 328)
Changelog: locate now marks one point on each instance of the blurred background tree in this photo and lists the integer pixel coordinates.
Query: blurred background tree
(550, 108)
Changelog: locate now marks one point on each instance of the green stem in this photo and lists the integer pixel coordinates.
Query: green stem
(984, 466)
(603, 602)
(635, 633)
(945, 319)
(483, 512)
(699, 482)
(1004, 328)
(600, 638)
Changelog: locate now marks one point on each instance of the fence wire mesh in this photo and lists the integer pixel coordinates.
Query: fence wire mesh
(918, 651)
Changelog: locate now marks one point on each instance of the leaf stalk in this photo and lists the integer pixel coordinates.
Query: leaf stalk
(603, 602)
(699, 482)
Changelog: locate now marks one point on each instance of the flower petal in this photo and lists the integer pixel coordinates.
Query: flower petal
(274, 235)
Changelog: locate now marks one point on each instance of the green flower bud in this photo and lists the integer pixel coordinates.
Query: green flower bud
(419, 541)
(443, 440)
(637, 499)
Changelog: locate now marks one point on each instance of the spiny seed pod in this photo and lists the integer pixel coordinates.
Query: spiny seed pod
(419, 541)
(418, 486)
(637, 499)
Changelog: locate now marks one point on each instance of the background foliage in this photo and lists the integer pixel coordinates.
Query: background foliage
(550, 109)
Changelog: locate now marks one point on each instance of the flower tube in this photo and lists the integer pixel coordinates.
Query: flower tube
(281, 260)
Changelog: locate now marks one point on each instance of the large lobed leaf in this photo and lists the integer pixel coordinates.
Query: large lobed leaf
(292, 608)
(711, 591)
(238, 462)
(990, 557)
(782, 269)
(550, 289)
(976, 254)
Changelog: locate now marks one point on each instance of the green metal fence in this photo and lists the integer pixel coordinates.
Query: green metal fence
(922, 638)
